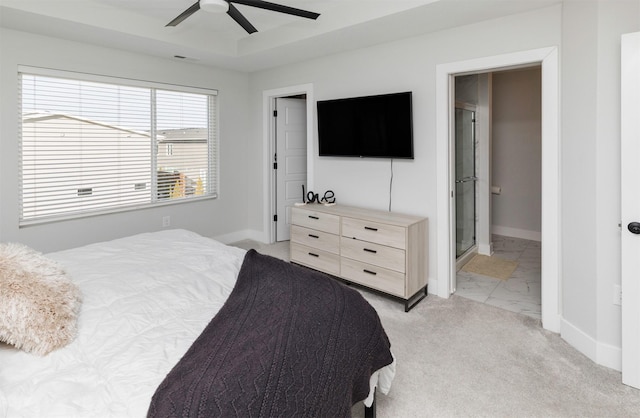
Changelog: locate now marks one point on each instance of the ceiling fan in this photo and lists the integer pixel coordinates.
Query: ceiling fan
(219, 6)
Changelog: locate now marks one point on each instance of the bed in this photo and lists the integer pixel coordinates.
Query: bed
(173, 323)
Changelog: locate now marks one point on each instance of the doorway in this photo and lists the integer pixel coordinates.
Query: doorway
(550, 223)
(506, 156)
(289, 159)
(301, 160)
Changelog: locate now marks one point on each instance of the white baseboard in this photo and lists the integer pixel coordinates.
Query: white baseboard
(485, 249)
(516, 233)
(551, 322)
(432, 288)
(610, 356)
(602, 354)
(240, 236)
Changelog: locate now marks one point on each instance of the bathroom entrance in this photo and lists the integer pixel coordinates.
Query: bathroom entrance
(497, 190)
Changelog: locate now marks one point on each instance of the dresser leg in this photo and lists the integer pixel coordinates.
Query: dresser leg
(410, 303)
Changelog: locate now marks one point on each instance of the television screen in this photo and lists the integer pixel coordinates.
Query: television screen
(372, 126)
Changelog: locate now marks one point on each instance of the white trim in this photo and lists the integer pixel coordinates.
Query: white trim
(109, 79)
(516, 233)
(602, 354)
(548, 58)
(433, 286)
(485, 249)
(483, 160)
(111, 211)
(237, 236)
(609, 356)
(268, 96)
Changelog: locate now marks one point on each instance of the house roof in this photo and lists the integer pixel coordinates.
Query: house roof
(185, 135)
(35, 117)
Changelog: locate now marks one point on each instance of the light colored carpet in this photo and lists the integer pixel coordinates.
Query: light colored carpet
(461, 358)
(493, 266)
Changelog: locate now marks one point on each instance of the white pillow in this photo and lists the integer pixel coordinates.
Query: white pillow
(39, 305)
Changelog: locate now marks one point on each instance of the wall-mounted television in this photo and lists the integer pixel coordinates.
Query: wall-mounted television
(379, 126)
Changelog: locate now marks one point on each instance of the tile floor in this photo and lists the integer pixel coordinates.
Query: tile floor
(521, 292)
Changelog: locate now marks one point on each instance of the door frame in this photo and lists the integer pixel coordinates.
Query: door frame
(269, 147)
(445, 73)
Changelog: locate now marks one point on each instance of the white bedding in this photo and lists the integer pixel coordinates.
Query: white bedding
(146, 298)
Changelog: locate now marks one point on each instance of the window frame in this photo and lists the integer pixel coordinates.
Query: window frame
(213, 143)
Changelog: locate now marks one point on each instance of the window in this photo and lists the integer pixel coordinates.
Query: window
(93, 145)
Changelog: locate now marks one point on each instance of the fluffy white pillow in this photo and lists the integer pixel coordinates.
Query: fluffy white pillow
(38, 303)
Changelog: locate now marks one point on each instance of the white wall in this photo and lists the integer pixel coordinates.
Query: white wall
(614, 19)
(517, 153)
(220, 217)
(591, 173)
(588, 34)
(579, 121)
(398, 66)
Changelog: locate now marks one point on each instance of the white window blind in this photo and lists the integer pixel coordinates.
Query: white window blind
(91, 146)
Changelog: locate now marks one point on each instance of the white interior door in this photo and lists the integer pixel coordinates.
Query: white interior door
(290, 158)
(630, 209)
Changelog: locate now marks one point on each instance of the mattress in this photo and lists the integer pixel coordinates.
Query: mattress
(146, 298)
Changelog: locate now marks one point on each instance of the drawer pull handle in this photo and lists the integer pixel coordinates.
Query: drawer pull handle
(370, 272)
(370, 228)
(314, 236)
(370, 251)
(314, 255)
(313, 217)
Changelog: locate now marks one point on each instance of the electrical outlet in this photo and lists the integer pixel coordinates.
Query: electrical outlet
(166, 221)
(617, 294)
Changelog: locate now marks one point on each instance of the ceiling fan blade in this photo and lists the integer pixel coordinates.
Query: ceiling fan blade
(240, 19)
(191, 10)
(276, 8)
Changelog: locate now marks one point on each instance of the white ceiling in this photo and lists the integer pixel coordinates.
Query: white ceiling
(215, 39)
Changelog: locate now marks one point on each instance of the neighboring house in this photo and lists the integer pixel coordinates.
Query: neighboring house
(124, 170)
(183, 151)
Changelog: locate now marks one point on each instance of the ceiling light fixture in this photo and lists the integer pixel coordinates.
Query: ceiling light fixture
(214, 6)
(226, 6)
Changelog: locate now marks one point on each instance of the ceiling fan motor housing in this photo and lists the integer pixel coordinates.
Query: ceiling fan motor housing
(225, 6)
(214, 6)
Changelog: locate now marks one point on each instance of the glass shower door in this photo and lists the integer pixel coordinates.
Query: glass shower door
(465, 180)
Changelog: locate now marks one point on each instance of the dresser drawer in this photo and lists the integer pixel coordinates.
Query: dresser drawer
(371, 253)
(315, 220)
(390, 235)
(316, 259)
(379, 278)
(315, 239)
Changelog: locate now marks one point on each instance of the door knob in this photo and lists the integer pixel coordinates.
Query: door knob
(634, 227)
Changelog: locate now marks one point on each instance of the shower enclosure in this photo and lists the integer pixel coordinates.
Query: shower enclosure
(465, 170)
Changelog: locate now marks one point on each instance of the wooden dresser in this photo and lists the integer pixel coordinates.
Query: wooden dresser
(381, 250)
